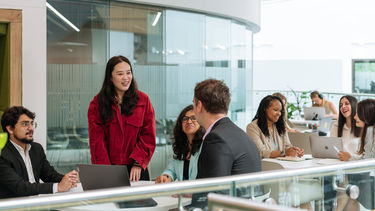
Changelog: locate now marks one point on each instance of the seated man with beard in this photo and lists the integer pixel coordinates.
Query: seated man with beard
(23, 162)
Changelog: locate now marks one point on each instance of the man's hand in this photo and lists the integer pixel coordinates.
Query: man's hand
(68, 181)
(163, 179)
(135, 173)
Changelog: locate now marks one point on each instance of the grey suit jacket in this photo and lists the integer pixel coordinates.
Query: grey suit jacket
(227, 150)
(14, 181)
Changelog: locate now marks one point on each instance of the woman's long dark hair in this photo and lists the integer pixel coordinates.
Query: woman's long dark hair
(366, 113)
(107, 94)
(342, 120)
(181, 143)
(261, 116)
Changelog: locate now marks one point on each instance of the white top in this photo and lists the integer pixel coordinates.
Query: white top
(26, 159)
(350, 143)
(369, 144)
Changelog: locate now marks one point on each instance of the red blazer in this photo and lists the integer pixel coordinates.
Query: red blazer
(122, 139)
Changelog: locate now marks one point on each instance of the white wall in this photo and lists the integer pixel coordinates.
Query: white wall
(247, 11)
(33, 60)
(305, 41)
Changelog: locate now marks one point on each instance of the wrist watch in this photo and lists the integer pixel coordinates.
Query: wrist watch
(282, 153)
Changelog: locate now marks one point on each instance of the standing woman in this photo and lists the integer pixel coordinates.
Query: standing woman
(346, 128)
(122, 122)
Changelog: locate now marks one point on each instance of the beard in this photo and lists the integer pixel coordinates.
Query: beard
(23, 140)
(26, 141)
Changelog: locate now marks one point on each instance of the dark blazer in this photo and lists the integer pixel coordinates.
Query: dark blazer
(227, 150)
(14, 181)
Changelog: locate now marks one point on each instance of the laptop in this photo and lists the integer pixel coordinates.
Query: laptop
(325, 147)
(324, 126)
(314, 113)
(95, 177)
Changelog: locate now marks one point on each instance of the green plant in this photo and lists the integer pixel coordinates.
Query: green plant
(301, 101)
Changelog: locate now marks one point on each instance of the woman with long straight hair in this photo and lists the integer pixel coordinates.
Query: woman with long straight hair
(346, 128)
(122, 122)
(365, 118)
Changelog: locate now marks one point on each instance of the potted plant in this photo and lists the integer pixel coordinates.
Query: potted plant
(301, 101)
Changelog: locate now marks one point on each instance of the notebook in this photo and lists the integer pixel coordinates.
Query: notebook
(325, 147)
(94, 177)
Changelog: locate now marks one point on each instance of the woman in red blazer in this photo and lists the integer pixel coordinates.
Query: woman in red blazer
(122, 122)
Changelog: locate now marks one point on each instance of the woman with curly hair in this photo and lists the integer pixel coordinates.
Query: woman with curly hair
(187, 136)
(268, 130)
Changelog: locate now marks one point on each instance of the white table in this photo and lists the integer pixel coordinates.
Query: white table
(275, 164)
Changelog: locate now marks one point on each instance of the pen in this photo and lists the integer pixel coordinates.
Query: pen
(337, 150)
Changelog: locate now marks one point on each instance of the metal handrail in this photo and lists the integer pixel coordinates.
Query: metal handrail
(192, 186)
(326, 93)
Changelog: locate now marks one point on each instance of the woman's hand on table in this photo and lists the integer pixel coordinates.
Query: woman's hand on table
(163, 179)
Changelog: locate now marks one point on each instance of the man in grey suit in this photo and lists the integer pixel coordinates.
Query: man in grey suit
(227, 149)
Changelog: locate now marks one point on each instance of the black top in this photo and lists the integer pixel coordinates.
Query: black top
(227, 150)
(186, 170)
(14, 180)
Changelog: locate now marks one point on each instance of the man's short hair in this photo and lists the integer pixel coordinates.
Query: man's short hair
(12, 114)
(214, 95)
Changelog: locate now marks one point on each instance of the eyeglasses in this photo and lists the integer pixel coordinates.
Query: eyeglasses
(186, 118)
(27, 124)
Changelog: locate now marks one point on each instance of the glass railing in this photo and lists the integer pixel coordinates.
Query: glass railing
(223, 202)
(316, 188)
(68, 146)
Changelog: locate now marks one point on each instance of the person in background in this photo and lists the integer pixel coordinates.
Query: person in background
(187, 136)
(346, 128)
(23, 162)
(269, 132)
(319, 101)
(122, 122)
(285, 104)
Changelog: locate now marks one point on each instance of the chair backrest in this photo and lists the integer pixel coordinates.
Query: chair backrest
(301, 140)
(269, 165)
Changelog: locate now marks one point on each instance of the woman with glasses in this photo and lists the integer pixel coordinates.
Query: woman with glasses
(122, 122)
(187, 136)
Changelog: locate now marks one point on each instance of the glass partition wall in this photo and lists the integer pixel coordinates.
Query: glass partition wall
(171, 50)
